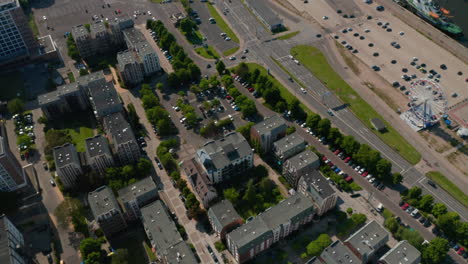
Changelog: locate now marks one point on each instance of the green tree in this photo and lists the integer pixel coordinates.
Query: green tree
(187, 25)
(323, 127)
(227, 80)
(94, 258)
(242, 70)
(88, 246)
(448, 223)
(397, 178)
(290, 130)
(159, 86)
(220, 67)
(15, 106)
(149, 101)
(120, 256)
(83, 72)
(164, 127)
(313, 120)
(204, 84)
(383, 168)
(245, 130)
(232, 195)
(173, 80)
(281, 106)
(295, 107)
(194, 71)
(349, 145)
(334, 136)
(439, 209)
(248, 108)
(24, 140)
(316, 247)
(415, 193)
(392, 224)
(144, 167)
(250, 193)
(426, 203)
(435, 252)
(192, 119)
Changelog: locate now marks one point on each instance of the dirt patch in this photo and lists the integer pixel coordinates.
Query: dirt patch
(348, 59)
(435, 142)
(458, 159)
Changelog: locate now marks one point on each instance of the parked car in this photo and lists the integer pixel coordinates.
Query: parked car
(405, 206)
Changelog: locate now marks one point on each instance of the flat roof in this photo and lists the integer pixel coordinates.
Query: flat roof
(97, 146)
(119, 128)
(223, 151)
(103, 95)
(139, 188)
(316, 180)
(293, 208)
(366, 239)
(338, 253)
(102, 200)
(65, 154)
(223, 213)
(402, 253)
(250, 234)
(303, 159)
(289, 142)
(268, 124)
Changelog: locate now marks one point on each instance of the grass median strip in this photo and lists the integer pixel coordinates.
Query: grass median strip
(315, 61)
(221, 23)
(289, 35)
(209, 52)
(448, 186)
(231, 51)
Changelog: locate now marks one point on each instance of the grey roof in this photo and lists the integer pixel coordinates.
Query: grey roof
(263, 9)
(50, 97)
(402, 253)
(89, 78)
(223, 213)
(126, 57)
(378, 123)
(224, 151)
(180, 253)
(102, 200)
(104, 96)
(119, 128)
(293, 208)
(133, 37)
(269, 123)
(315, 179)
(79, 31)
(65, 154)
(97, 28)
(164, 234)
(338, 253)
(303, 159)
(198, 177)
(123, 22)
(366, 239)
(144, 48)
(289, 142)
(137, 189)
(97, 146)
(250, 234)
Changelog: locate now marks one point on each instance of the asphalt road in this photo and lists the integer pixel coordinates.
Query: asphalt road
(320, 99)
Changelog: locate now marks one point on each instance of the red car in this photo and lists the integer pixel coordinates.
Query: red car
(405, 206)
(347, 159)
(349, 179)
(324, 158)
(461, 251)
(365, 174)
(228, 97)
(251, 89)
(337, 152)
(330, 164)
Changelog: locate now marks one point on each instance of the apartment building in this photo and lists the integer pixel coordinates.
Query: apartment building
(276, 223)
(12, 176)
(199, 181)
(106, 211)
(98, 154)
(67, 164)
(224, 218)
(226, 158)
(338, 253)
(133, 37)
(268, 131)
(16, 38)
(12, 246)
(163, 235)
(288, 146)
(100, 36)
(313, 185)
(403, 253)
(116, 30)
(298, 165)
(122, 138)
(137, 195)
(367, 240)
(103, 98)
(148, 57)
(130, 68)
(84, 42)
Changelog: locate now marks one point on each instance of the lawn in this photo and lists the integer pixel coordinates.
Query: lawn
(136, 251)
(209, 52)
(448, 186)
(149, 252)
(221, 23)
(32, 24)
(288, 96)
(289, 35)
(314, 60)
(230, 51)
(12, 84)
(79, 136)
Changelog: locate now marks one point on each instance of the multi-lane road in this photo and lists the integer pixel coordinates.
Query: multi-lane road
(318, 98)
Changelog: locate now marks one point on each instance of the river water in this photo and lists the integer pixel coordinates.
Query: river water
(459, 11)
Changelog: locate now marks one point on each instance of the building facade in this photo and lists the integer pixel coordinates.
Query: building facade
(226, 158)
(106, 211)
(367, 240)
(16, 38)
(122, 138)
(137, 195)
(313, 185)
(11, 243)
(268, 131)
(103, 98)
(67, 164)
(199, 181)
(12, 176)
(98, 154)
(289, 146)
(224, 218)
(130, 69)
(298, 165)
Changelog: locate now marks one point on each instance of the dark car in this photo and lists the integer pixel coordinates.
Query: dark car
(431, 183)
(422, 220)
(380, 8)
(158, 163)
(427, 223)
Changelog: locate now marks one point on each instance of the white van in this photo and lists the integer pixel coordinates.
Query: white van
(380, 207)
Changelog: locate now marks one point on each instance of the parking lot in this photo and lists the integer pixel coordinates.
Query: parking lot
(210, 30)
